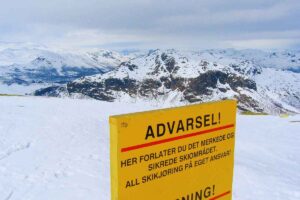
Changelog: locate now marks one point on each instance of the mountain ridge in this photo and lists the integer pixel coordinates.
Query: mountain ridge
(189, 77)
(261, 81)
(38, 65)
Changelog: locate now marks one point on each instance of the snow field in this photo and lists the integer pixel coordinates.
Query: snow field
(55, 148)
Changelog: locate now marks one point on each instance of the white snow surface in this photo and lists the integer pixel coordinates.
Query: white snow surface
(58, 149)
(21, 89)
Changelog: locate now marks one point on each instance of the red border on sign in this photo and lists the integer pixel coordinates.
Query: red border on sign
(131, 148)
(221, 195)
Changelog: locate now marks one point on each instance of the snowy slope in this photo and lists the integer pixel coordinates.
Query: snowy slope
(55, 148)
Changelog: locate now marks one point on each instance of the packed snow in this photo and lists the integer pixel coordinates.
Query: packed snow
(55, 148)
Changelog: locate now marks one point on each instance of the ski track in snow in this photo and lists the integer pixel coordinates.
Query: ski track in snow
(58, 149)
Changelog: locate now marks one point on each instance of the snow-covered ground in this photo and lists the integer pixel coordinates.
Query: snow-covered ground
(58, 149)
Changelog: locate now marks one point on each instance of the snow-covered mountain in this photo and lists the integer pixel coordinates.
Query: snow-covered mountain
(284, 59)
(260, 81)
(36, 66)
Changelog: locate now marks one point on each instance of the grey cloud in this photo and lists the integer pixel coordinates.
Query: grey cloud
(151, 21)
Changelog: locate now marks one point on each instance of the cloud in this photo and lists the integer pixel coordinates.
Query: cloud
(261, 43)
(152, 23)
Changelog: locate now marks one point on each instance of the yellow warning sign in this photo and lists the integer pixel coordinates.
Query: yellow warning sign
(183, 153)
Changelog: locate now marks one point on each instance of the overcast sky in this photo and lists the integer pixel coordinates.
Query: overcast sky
(121, 24)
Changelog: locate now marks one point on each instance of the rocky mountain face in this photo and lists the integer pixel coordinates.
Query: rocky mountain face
(177, 77)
